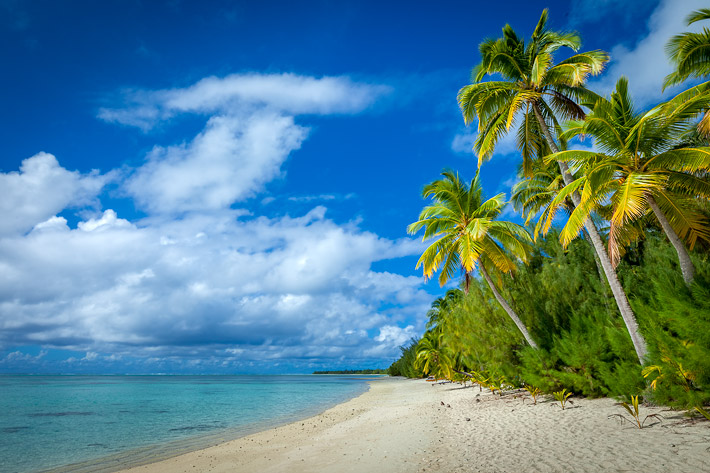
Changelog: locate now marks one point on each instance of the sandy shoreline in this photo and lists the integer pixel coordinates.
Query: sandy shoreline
(401, 426)
(371, 432)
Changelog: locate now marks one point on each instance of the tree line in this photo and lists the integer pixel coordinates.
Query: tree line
(606, 288)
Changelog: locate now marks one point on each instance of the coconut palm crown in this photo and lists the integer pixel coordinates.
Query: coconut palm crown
(466, 230)
(639, 170)
(467, 235)
(532, 89)
(690, 52)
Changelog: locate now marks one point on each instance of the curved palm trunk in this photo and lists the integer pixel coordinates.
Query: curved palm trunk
(507, 308)
(686, 265)
(597, 262)
(619, 295)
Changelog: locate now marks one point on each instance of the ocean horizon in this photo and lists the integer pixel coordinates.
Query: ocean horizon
(100, 423)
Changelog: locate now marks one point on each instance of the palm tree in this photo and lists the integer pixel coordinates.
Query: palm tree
(536, 91)
(689, 52)
(442, 307)
(468, 236)
(532, 195)
(639, 170)
(433, 356)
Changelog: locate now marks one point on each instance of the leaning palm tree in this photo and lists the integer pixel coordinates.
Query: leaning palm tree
(469, 236)
(537, 92)
(640, 171)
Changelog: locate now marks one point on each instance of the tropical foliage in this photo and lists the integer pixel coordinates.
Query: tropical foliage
(542, 93)
(690, 52)
(642, 167)
(642, 191)
(583, 344)
(468, 236)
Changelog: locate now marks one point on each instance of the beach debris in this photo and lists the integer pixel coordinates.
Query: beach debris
(468, 419)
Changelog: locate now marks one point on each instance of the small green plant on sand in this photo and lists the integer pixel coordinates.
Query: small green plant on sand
(562, 397)
(534, 392)
(497, 385)
(633, 410)
(481, 380)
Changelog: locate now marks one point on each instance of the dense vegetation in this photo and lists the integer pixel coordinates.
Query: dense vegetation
(614, 298)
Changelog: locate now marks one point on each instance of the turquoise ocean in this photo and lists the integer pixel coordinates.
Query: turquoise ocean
(102, 423)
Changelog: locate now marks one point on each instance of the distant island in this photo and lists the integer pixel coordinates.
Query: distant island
(352, 372)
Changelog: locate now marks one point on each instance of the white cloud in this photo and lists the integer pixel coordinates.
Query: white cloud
(296, 283)
(41, 189)
(230, 160)
(196, 278)
(109, 219)
(646, 63)
(249, 135)
(284, 93)
(395, 336)
(52, 224)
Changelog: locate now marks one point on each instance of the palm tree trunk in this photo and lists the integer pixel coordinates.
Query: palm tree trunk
(622, 302)
(597, 262)
(600, 273)
(506, 307)
(686, 265)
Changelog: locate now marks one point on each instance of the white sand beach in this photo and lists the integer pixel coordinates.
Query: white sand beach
(401, 425)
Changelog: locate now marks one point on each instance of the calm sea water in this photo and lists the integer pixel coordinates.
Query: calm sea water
(105, 422)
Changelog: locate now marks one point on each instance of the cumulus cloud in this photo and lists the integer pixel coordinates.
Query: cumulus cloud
(394, 335)
(302, 283)
(41, 189)
(230, 160)
(196, 279)
(645, 63)
(250, 132)
(287, 93)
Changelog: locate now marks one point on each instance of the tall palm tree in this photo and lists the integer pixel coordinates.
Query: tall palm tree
(536, 91)
(639, 170)
(468, 236)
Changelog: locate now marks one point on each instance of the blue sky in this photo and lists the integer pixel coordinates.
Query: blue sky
(224, 187)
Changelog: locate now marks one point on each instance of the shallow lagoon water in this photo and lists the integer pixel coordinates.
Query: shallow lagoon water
(104, 422)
